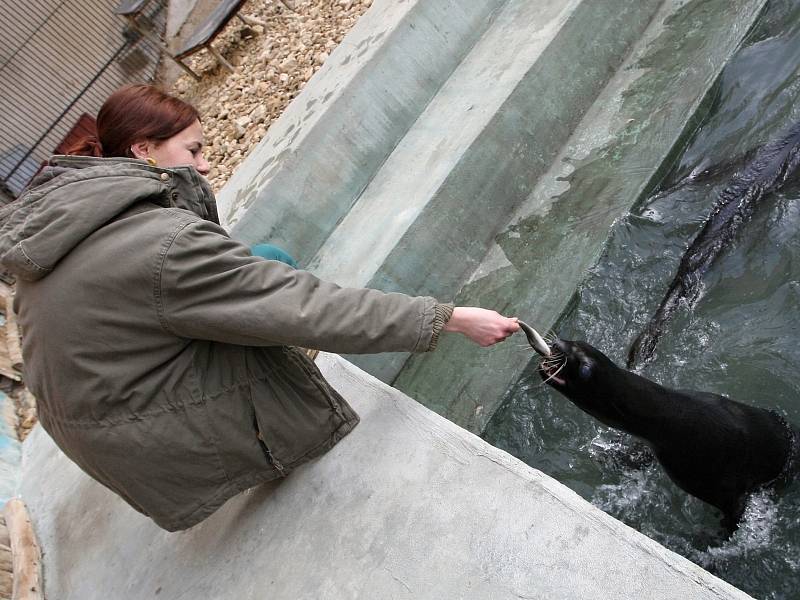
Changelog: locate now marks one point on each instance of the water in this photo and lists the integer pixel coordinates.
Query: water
(739, 339)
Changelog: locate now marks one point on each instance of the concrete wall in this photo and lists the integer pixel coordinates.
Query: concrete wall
(409, 505)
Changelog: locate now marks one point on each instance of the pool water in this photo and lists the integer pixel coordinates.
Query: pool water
(738, 339)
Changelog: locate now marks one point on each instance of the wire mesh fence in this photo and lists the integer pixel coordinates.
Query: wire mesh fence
(59, 61)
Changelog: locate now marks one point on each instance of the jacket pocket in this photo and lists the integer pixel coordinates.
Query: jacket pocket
(302, 361)
(296, 410)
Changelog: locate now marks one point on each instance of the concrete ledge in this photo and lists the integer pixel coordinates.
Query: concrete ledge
(315, 160)
(407, 506)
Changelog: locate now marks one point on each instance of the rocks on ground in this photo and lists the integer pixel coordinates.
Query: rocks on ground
(272, 64)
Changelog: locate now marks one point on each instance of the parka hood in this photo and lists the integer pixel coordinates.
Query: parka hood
(74, 196)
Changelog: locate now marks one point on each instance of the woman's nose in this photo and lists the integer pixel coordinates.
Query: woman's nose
(203, 167)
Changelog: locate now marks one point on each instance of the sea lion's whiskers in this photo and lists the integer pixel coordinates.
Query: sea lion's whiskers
(556, 372)
(555, 355)
(552, 360)
(552, 365)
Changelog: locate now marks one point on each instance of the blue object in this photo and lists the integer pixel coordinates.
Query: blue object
(271, 252)
(10, 455)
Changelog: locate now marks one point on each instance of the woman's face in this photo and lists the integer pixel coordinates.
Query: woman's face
(185, 148)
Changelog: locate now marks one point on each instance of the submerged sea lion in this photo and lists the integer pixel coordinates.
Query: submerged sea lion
(772, 166)
(714, 448)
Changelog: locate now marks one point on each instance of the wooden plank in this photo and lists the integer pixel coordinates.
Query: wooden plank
(10, 373)
(26, 555)
(211, 27)
(12, 335)
(220, 59)
(155, 40)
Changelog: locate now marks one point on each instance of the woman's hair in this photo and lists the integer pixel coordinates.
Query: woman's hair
(132, 114)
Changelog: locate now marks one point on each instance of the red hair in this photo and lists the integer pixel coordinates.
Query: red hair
(132, 114)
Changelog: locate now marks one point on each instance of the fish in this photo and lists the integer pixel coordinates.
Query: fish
(534, 339)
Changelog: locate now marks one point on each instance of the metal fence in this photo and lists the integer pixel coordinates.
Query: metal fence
(59, 60)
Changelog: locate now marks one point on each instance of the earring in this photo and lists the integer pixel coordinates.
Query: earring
(151, 161)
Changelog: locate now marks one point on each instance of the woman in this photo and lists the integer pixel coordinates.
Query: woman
(161, 351)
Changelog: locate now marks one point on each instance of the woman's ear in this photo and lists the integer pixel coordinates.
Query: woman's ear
(141, 150)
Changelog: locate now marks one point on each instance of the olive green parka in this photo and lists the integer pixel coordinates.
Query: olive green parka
(162, 353)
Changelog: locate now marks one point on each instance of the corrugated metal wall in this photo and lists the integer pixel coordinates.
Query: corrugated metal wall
(58, 60)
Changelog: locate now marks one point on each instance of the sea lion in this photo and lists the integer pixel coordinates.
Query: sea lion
(712, 447)
(773, 164)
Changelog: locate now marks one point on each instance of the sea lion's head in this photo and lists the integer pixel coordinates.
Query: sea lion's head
(586, 376)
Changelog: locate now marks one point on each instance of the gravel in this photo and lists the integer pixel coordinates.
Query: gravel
(273, 62)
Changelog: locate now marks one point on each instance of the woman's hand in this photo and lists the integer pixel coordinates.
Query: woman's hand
(484, 327)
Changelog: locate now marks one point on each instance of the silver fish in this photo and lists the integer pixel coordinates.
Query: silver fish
(534, 339)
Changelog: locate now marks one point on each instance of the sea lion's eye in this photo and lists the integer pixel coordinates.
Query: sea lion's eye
(585, 371)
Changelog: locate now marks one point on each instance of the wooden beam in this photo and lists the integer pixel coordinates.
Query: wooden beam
(12, 335)
(220, 59)
(26, 555)
(251, 20)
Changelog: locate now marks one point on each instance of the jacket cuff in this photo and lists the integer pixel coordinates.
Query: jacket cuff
(442, 315)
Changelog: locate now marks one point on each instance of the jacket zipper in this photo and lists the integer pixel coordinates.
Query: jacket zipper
(267, 452)
(275, 462)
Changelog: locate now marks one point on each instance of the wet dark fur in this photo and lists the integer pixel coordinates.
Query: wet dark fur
(714, 448)
(772, 165)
